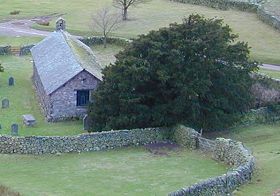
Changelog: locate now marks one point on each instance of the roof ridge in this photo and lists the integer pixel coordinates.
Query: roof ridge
(71, 49)
(71, 42)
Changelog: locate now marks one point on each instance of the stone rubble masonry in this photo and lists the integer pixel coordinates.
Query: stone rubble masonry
(224, 150)
(80, 143)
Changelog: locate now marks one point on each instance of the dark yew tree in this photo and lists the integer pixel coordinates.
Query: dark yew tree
(194, 73)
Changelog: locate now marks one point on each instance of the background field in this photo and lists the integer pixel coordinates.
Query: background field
(264, 40)
(132, 171)
(271, 73)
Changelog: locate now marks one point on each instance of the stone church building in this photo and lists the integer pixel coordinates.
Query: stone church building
(65, 74)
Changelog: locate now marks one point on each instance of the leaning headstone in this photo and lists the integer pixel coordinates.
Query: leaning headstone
(14, 129)
(5, 103)
(11, 81)
(86, 122)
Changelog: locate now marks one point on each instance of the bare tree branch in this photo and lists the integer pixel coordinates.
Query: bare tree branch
(125, 4)
(106, 22)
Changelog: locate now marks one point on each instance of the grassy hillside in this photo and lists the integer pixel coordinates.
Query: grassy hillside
(264, 40)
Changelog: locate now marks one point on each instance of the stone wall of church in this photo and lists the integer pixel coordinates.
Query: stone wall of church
(44, 99)
(64, 100)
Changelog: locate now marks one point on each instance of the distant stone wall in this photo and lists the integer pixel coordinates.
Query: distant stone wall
(223, 4)
(5, 50)
(226, 150)
(268, 18)
(25, 50)
(80, 143)
(98, 40)
(95, 40)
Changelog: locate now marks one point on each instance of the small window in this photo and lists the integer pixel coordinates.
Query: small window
(82, 97)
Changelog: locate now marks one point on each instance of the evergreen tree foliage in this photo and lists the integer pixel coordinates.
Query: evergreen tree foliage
(194, 73)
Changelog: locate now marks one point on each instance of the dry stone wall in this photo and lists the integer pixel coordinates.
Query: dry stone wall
(80, 143)
(226, 150)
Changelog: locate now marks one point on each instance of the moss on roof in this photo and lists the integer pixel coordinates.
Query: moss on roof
(84, 56)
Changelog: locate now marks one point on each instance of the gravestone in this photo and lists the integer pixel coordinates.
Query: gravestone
(14, 129)
(86, 122)
(5, 103)
(11, 81)
(29, 120)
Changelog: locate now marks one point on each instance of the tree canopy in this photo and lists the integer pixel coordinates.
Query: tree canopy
(193, 73)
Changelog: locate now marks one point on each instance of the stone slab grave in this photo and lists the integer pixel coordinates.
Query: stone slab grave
(14, 129)
(5, 103)
(29, 120)
(11, 81)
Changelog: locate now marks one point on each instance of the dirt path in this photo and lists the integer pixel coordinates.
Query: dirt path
(16, 28)
(23, 27)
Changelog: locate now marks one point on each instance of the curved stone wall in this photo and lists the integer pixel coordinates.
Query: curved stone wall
(226, 150)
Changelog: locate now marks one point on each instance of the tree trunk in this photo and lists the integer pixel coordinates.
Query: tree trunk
(105, 41)
(125, 13)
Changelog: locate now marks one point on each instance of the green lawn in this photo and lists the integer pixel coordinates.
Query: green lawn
(105, 56)
(263, 140)
(18, 41)
(23, 99)
(264, 40)
(271, 73)
(130, 171)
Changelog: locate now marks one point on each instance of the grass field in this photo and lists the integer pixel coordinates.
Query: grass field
(263, 140)
(130, 171)
(105, 56)
(271, 73)
(24, 101)
(18, 41)
(264, 40)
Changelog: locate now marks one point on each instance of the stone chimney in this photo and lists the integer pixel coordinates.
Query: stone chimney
(60, 24)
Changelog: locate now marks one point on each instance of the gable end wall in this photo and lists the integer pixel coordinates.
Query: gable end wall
(64, 99)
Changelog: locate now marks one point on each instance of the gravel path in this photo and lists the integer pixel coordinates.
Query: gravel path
(16, 28)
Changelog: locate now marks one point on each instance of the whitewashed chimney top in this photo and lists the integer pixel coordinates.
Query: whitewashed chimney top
(60, 24)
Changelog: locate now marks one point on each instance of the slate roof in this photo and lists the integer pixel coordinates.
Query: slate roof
(60, 57)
